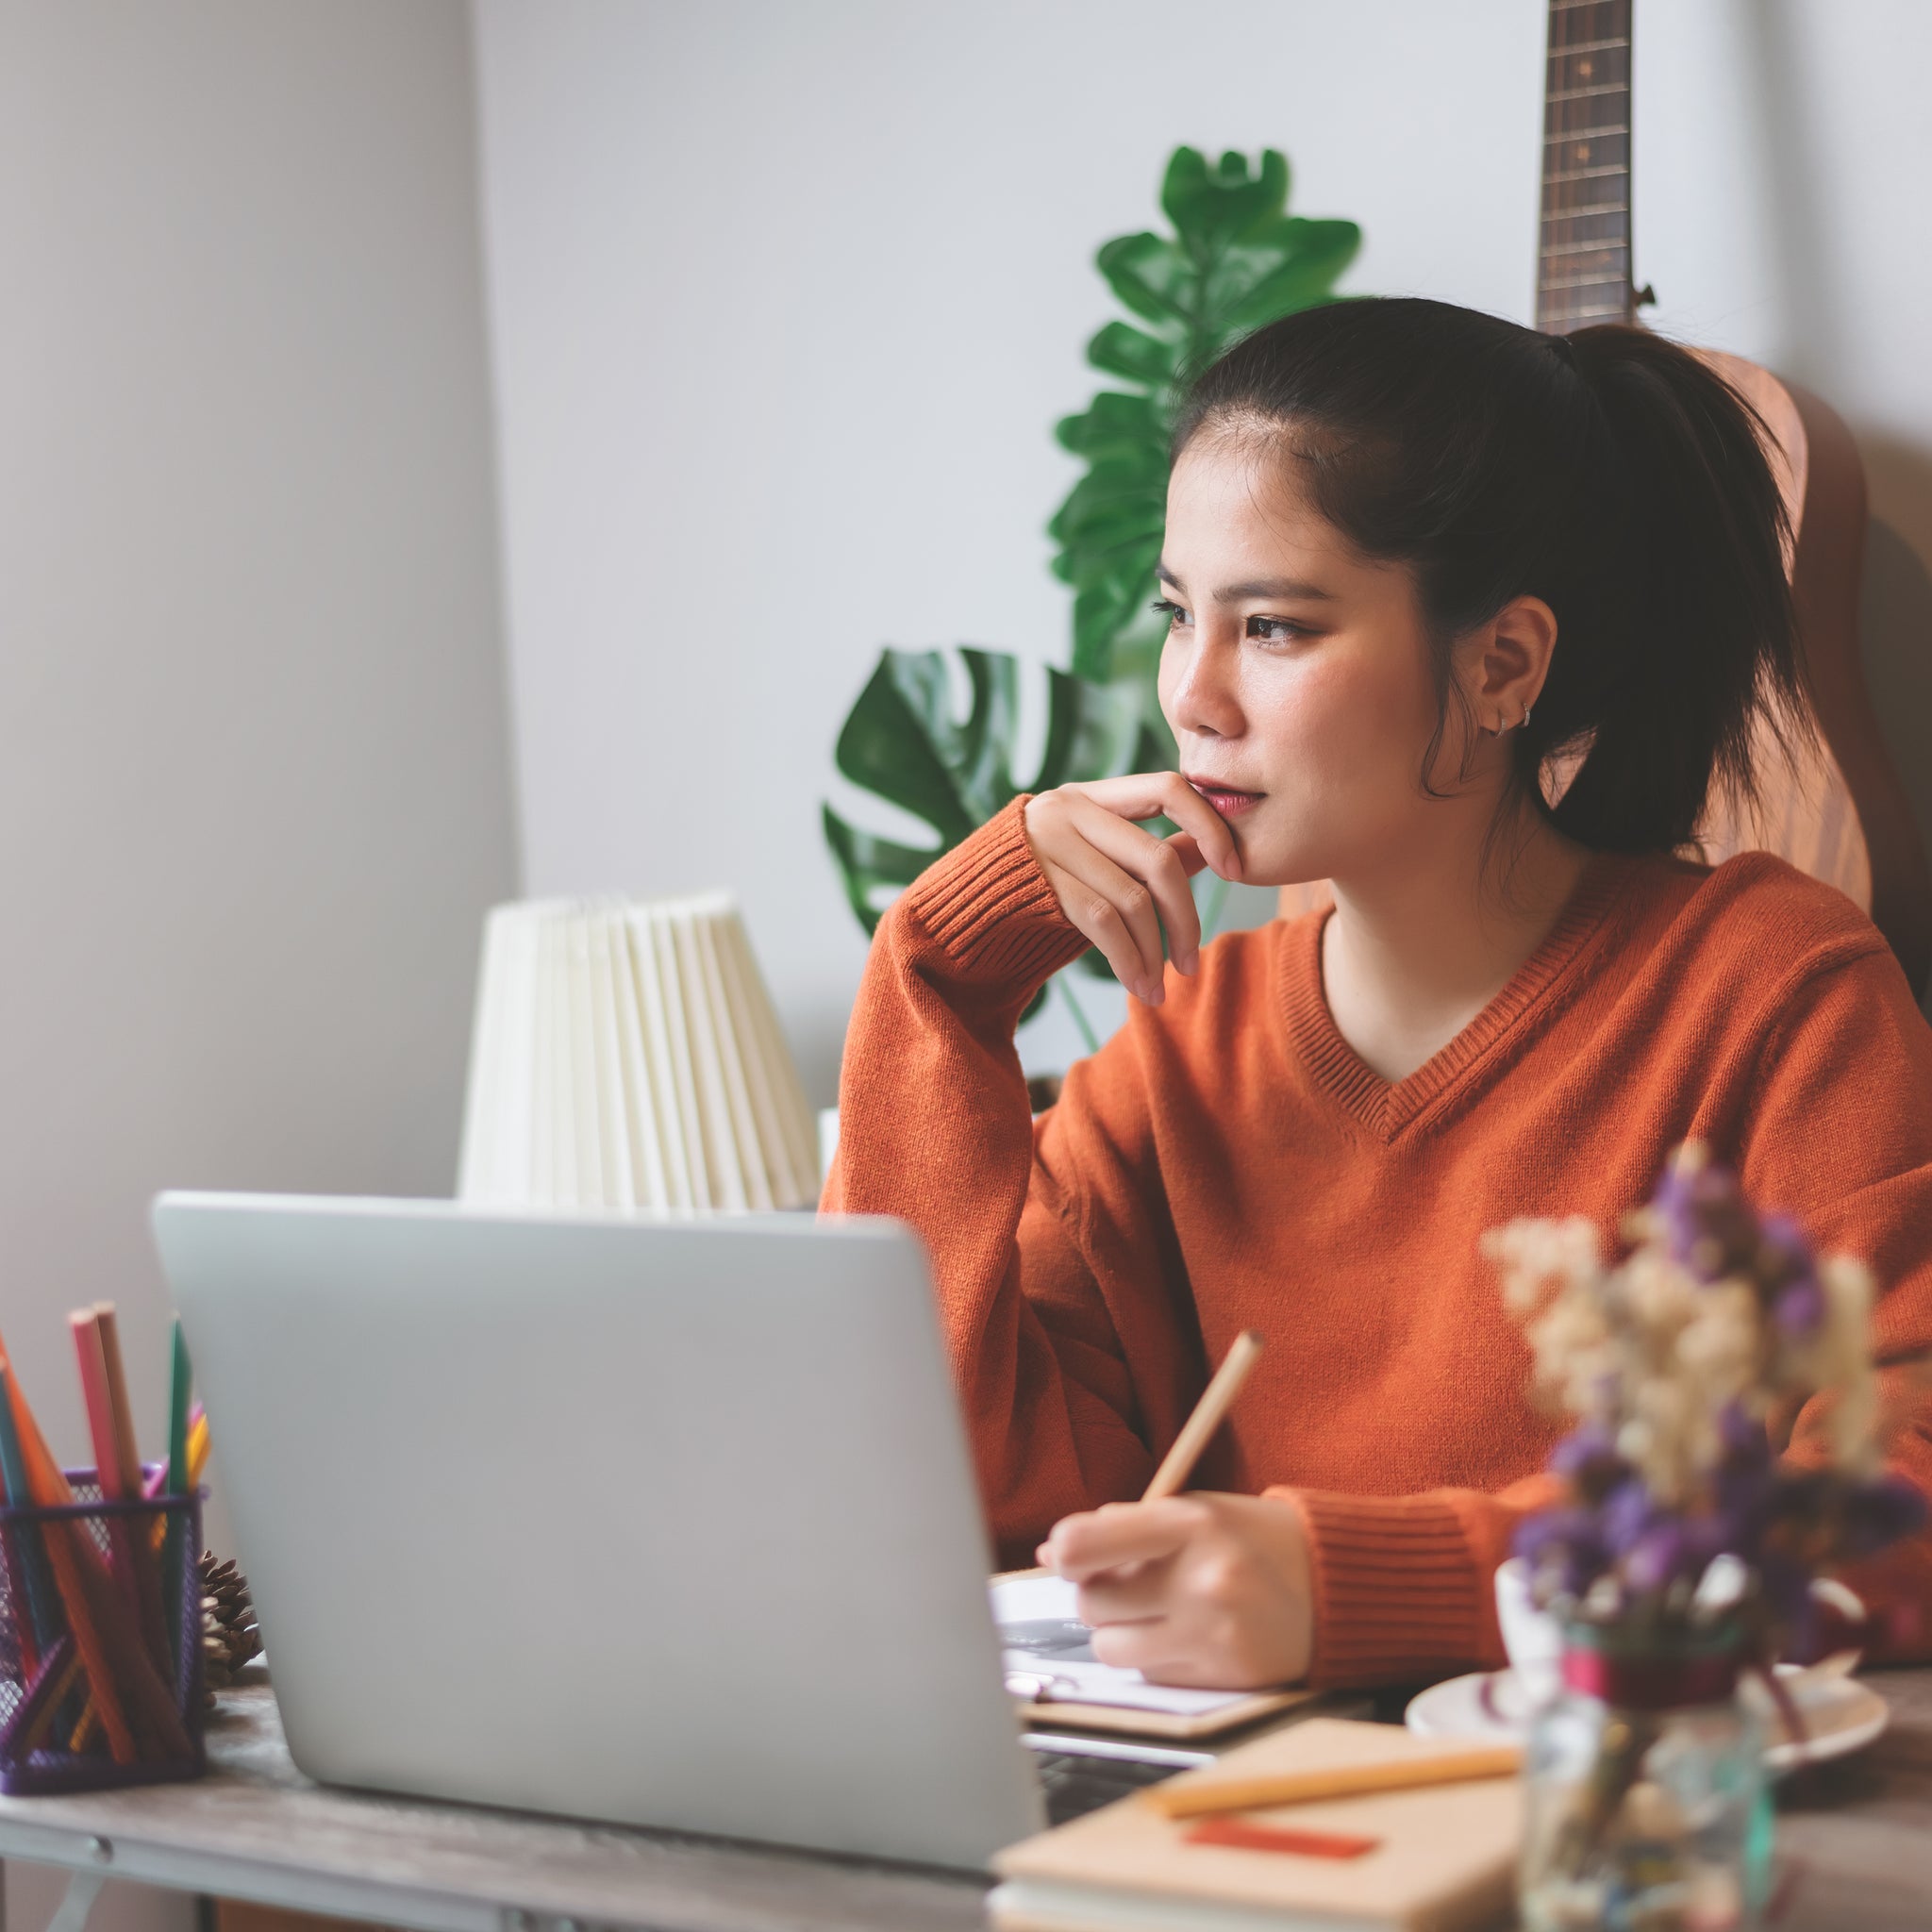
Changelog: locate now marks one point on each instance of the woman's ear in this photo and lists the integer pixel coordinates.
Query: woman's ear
(1503, 663)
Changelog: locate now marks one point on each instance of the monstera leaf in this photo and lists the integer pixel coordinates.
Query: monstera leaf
(1237, 258)
(903, 744)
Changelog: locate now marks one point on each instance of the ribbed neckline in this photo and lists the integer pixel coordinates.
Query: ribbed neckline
(1385, 1107)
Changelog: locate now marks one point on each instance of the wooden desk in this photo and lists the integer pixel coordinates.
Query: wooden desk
(1855, 1840)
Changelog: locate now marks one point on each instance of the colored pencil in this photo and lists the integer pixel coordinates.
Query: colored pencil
(26, 1548)
(149, 1575)
(99, 1407)
(180, 1385)
(1208, 1793)
(117, 1467)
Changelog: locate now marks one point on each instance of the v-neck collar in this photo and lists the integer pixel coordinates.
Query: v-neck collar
(1385, 1107)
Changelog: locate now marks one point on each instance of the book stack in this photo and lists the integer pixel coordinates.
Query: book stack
(626, 1058)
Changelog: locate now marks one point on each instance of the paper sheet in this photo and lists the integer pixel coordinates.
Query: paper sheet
(1044, 1644)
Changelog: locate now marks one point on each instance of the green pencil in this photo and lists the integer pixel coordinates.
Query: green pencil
(26, 1549)
(181, 1381)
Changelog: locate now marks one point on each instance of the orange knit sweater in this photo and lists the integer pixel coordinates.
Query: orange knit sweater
(1226, 1161)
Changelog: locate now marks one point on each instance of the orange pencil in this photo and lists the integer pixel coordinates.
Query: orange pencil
(128, 1486)
(108, 1451)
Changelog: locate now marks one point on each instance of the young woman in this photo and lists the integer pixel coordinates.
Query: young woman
(1414, 555)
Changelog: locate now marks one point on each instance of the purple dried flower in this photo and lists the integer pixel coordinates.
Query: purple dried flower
(1878, 1512)
(1799, 1308)
(1587, 1456)
(1628, 1513)
(1707, 1225)
(1563, 1549)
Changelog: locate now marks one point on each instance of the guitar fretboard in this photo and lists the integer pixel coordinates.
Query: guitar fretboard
(1583, 262)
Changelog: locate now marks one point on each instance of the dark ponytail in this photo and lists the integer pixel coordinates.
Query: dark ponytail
(1610, 472)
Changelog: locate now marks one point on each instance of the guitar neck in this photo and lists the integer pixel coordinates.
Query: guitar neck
(1583, 261)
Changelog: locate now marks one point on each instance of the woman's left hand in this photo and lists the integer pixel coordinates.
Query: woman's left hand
(1205, 1589)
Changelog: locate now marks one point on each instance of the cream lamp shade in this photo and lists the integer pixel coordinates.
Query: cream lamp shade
(627, 1056)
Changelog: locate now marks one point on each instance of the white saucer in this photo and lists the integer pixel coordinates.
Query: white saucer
(1841, 1715)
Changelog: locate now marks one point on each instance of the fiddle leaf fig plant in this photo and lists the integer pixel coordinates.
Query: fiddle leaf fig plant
(1236, 260)
(903, 743)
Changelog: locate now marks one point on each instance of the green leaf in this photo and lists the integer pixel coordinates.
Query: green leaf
(1114, 424)
(1210, 207)
(1092, 732)
(868, 863)
(1111, 485)
(1152, 277)
(1121, 350)
(903, 743)
(1253, 287)
(1110, 543)
(1236, 259)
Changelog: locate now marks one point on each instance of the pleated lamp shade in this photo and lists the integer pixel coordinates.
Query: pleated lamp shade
(627, 1056)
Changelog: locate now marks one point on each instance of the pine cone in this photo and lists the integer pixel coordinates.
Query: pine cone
(229, 1636)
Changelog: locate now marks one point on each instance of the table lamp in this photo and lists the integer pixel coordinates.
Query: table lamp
(627, 1056)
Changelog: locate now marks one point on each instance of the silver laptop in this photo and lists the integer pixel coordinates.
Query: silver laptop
(669, 1524)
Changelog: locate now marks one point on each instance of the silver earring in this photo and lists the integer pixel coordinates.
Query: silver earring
(1522, 723)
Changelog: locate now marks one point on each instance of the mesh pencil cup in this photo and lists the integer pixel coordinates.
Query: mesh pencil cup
(100, 1642)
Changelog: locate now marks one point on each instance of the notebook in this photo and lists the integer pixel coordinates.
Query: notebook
(1445, 1859)
(1048, 1657)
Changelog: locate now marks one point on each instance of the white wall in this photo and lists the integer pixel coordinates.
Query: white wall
(253, 793)
(785, 299)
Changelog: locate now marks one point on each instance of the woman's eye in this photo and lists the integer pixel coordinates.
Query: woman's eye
(1177, 617)
(1274, 630)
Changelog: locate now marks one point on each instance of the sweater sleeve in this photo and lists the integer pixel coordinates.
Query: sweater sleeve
(1066, 1372)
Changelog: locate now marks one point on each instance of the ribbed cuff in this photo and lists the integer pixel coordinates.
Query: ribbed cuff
(1398, 1593)
(988, 908)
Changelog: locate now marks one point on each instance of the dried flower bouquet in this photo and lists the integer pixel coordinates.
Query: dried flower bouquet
(1681, 1362)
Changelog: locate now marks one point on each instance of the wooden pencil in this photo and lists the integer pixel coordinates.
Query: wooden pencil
(132, 1488)
(1177, 1465)
(1187, 1799)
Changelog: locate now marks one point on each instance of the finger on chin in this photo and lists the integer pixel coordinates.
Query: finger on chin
(1187, 848)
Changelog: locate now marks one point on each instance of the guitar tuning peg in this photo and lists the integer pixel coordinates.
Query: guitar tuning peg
(1645, 297)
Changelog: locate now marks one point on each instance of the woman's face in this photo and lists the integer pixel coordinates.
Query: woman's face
(1296, 675)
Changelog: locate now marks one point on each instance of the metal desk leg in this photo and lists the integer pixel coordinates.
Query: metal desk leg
(78, 1901)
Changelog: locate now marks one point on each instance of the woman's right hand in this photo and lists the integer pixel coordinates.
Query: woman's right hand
(1120, 885)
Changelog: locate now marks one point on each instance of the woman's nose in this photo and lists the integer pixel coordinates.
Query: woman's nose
(1203, 698)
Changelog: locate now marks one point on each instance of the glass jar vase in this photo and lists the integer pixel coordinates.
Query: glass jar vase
(1648, 1809)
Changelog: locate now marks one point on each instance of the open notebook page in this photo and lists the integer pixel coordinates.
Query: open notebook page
(1045, 1651)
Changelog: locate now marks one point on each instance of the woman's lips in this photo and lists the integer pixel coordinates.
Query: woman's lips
(1225, 799)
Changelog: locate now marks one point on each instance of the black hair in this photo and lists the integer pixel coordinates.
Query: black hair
(1610, 472)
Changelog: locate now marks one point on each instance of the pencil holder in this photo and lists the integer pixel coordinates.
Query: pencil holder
(100, 1642)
